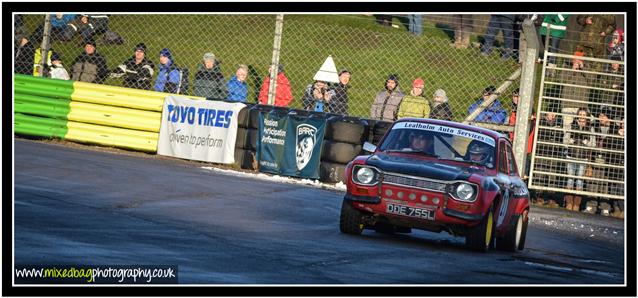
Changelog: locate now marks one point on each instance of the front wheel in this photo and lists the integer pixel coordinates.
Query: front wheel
(351, 220)
(480, 237)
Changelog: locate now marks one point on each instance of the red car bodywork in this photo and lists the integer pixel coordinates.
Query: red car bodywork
(425, 187)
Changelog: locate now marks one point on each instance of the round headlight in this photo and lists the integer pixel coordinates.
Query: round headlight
(365, 175)
(464, 191)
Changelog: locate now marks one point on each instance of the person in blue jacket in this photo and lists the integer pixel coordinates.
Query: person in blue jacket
(168, 77)
(237, 88)
(495, 113)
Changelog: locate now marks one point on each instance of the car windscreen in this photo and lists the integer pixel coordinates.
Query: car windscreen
(445, 142)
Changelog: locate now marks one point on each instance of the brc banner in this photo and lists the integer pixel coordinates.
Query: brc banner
(199, 129)
(289, 145)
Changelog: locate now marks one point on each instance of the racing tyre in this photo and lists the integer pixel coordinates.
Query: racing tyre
(351, 220)
(345, 130)
(251, 139)
(339, 152)
(380, 127)
(513, 237)
(331, 172)
(240, 141)
(242, 117)
(481, 236)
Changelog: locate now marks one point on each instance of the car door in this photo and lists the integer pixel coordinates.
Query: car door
(503, 179)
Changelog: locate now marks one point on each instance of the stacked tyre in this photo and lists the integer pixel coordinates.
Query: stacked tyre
(245, 144)
(378, 130)
(342, 143)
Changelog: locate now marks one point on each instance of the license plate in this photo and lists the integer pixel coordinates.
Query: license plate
(410, 211)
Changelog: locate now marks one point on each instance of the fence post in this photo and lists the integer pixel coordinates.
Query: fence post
(525, 104)
(274, 65)
(44, 46)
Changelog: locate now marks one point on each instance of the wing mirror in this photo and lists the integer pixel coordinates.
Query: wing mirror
(369, 147)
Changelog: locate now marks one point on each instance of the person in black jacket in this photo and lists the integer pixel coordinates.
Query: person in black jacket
(339, 103)
(440, 106)
(25, 52)
(209, 81)
(90, 66)
(137, 70)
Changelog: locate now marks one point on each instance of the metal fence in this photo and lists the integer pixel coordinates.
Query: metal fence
(580, 134)
(370, 51)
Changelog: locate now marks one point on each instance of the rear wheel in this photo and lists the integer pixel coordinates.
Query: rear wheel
(481, 236)
(351, 220)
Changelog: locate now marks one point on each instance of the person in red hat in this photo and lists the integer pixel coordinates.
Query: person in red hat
(414, 104)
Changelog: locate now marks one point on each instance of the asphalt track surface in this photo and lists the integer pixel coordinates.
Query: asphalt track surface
(78, 204)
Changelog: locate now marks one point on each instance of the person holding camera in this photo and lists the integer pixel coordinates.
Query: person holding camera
(317, 97)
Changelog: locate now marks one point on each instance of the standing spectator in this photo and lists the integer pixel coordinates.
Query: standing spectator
(137, 70)
(414, 104)
(617, 45)
(615, 188)
(23, 63)
(578, 96)
(549, 131)
(60, 30)
(81, 25)
(57, 69)
(578, 152)
(462, 30)
(317, 97)
(283, 90)
(495, 113)
(593, 33)
(416, 24)
(386, 104)
(505, 24)
(604, 140)
(440, 106)
(339, 103)
(557, 24)
(237, 87)
(209, 81)
(90, 66)
(169, 77)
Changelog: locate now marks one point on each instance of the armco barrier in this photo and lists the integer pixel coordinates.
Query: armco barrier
(112, 116)
(89, 113)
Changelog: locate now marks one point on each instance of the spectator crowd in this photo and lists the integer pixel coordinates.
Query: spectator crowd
(598, 38)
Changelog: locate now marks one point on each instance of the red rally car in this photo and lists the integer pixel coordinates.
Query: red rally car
(439, 176)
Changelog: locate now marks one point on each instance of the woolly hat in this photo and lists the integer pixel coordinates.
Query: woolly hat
(441, 93)
(209, 56)
(516, 92)
(90, 41)
(55, 56)
(606, 111)
(489, 90)
(578, 54)
(393, 77)
(166, 53)
(140, 46)
(418, 82)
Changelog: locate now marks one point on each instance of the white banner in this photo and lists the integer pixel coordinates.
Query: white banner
(199, 129)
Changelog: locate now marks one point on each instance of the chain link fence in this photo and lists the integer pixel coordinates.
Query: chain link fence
(370, 51)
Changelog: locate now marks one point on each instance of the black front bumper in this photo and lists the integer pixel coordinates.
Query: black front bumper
(363, 199)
